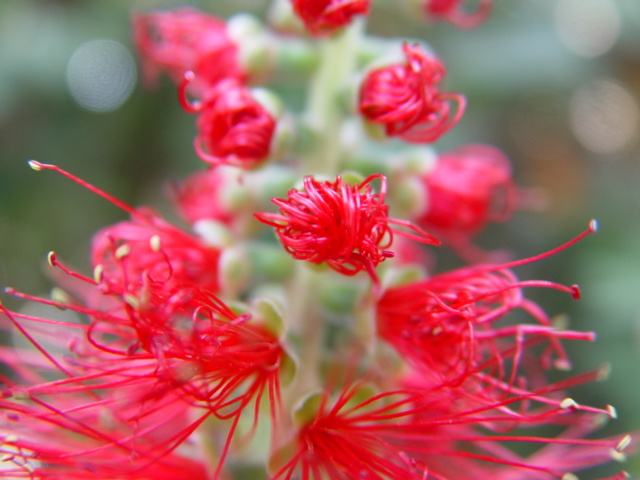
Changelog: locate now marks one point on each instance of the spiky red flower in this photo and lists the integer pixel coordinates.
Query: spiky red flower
(427, 434)
(128, 255)
(323, 17)
(184, 40)
(233, 127)
(346, 226)
(406, 100)
(453, 11)
(445, 325)
(468, 188)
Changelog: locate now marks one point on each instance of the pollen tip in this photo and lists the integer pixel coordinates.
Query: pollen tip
(593, 226)
(122, 251)
(568, 403)
(189, 75)
(9, 290)
(51, 258)
(575, 292)
(155, 243)
(624, 443)
(562, 364)
(617, 456)
(131, 300)
(613, 413)
(37, 166)
(97, 273)
(570, 476)
(11, 438)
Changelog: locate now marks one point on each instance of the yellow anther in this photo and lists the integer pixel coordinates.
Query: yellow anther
(612, 411)
(617, 456)
(568, 403)
(51, 258)
(132, 300)
(97, 273)
(624, 443)
(122, 251)
(570, 476)
(35, 165)
(155, 243)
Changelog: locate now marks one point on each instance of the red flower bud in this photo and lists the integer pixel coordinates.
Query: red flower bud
(186, 40)
(405, 98)
(322, 17)
(346, 226)
(468, 188)
(233, 127)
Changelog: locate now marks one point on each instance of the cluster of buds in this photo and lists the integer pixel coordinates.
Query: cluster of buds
(294, 332)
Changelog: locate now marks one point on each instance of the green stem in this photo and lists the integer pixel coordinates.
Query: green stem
(324, 109)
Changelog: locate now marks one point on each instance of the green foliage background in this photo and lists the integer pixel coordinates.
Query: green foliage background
(518, 78)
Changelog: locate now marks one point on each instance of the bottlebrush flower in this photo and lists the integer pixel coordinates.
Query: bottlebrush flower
(127, 255)
(346, 226)
(445, 325)
(405, 98)
(453, 11)
(323, 17)
(143, 379)
(233, 127)
(424, 434)
(468, 188)
(184, 40)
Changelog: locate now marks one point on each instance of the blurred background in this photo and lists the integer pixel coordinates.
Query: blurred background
(554, 83)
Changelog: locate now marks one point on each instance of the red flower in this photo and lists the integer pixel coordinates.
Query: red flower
(141, 381)
(413, 434)
(346, 226)
(454, 12)
(405, 98)
(129, 255)
(445, 325)
(468, 188)
(322, 17)
(233, 127)
(186, 40)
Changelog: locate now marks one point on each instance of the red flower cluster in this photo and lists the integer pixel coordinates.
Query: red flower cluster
(185, 40)
(346, 226)
(454, 12)
(406, 100)
(468, 188)
(196, 51)
(323, 17)
(422, 433)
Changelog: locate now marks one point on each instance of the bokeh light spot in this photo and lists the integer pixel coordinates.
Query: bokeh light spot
(604, 116)
(101, 75)
(588, 28)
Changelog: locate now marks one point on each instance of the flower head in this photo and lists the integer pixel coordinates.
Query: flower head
(233, 127)
(413, 433)
(405, 98)
(128, 255)
(453, 11)
(346, 226)
(323, 17)
(468, 188)
(184, 40)
(445, 325)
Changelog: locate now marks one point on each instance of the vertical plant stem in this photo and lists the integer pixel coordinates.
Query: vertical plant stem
(324, 111)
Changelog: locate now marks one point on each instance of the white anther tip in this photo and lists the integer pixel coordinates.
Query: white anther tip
(568, 403)
(593, 226)
(37, 166)
(624, 443)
